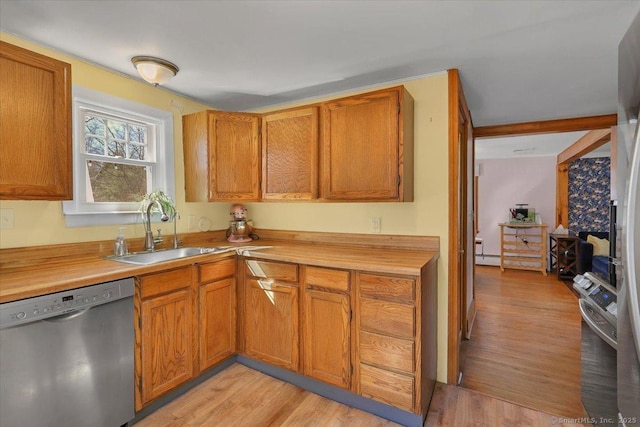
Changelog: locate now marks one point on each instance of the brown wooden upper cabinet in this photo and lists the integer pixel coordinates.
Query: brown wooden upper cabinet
(290, 154)
(367, 147)
(35, 126)
(358, 148)
(221, 156)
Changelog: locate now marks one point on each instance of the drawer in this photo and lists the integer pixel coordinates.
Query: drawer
(272, 270)
(387, 318)
(165, 281)
(217, 270)
(398, 289)
(327, 278)
(389, 387)
(387, 352)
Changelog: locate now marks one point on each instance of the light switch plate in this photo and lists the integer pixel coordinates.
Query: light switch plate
(376, 224)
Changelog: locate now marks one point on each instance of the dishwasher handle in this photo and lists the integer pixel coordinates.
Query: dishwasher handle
(67, 316)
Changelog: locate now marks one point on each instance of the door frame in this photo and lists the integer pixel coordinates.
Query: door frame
(458, 213)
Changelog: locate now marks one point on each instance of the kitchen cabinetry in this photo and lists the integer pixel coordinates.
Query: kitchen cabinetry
(367, 147)
(365, 152)
(186, 324)
(290, 154)
(523, 247)
(221, 156)
(271, 313)
(387, 322)
(326, 334)
(165, 304)
(35, 118)
(217, 311)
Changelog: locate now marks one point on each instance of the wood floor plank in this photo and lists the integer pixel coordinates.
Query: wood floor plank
(525, 345)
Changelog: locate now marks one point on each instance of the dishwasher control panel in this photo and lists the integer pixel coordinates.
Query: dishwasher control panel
(61, 303)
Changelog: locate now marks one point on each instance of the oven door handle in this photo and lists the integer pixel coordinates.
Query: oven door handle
(586, 316)
(67, 316)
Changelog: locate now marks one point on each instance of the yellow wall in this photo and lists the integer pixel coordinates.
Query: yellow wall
(40, 223)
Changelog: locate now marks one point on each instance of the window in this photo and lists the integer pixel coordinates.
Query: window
(122, 151)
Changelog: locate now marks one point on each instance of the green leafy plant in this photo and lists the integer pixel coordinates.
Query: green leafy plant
(167, 203)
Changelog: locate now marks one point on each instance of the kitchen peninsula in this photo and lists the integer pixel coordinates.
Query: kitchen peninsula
(355, 314)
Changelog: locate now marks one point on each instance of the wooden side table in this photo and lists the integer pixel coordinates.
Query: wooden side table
(564, 252)
(523, 246)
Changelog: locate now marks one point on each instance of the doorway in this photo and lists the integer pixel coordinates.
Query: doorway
(567, 125)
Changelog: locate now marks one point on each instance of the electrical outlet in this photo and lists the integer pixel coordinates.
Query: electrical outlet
(376, 224)
(192, 222)
(6, 219)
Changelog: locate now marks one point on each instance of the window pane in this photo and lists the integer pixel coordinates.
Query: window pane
(116, 149)
(114, 182)
(136, 151)
(137, 133)
(117, 130)
(94, 145)
(94, 126)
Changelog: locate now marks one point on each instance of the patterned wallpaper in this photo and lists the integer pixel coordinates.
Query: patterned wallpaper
(589, 194)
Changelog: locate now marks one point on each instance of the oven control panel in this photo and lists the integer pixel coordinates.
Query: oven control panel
(60, 303)
(599, 294)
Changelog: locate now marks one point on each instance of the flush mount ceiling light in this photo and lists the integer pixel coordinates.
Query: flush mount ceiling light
(154, 70)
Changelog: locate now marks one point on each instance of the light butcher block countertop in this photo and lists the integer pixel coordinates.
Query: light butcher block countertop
(29, 272)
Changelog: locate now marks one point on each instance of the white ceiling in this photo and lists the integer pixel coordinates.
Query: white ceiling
(519, 60)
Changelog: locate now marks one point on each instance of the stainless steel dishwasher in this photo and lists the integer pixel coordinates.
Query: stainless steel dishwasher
(66, 359)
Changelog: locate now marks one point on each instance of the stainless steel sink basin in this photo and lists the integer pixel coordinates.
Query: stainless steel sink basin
(146, 258)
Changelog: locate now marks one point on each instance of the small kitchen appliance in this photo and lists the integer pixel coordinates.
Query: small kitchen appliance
(239, 231)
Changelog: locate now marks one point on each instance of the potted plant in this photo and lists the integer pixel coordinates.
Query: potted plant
(168, 205)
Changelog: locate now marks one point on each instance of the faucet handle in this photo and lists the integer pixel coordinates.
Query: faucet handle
(159, 238)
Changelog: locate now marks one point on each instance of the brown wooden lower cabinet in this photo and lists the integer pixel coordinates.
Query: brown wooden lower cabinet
(390, 340)
(271, 322)
(326, 338)
(372, 334)
(217, 311)
(186, 324)
(165, 303)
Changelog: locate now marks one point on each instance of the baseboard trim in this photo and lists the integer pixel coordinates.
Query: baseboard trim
(337, 394)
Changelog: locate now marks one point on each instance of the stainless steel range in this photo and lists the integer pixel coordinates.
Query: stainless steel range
(66, 359)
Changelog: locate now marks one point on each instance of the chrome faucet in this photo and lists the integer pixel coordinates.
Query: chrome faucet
(149, 243)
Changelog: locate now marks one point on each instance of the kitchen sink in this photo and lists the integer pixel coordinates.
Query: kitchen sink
(146, 258)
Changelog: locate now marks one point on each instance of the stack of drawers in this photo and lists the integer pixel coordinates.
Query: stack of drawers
(387, 339)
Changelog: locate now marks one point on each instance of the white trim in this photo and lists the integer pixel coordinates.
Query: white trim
(80, 214)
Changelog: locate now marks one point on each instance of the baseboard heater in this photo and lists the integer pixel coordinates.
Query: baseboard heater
(488, 260)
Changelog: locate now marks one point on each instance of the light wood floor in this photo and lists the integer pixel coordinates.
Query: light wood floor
(240, 396)
(525, 344)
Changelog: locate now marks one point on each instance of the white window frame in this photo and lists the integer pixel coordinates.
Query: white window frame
(80, 213)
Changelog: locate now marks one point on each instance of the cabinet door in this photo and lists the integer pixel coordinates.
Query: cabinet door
(35, 126)
(167, 346)
(166, 355)
(290, 154)
(234, 154)
(327, 337)
(271, 323)
(362, 154)
(217, 321)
